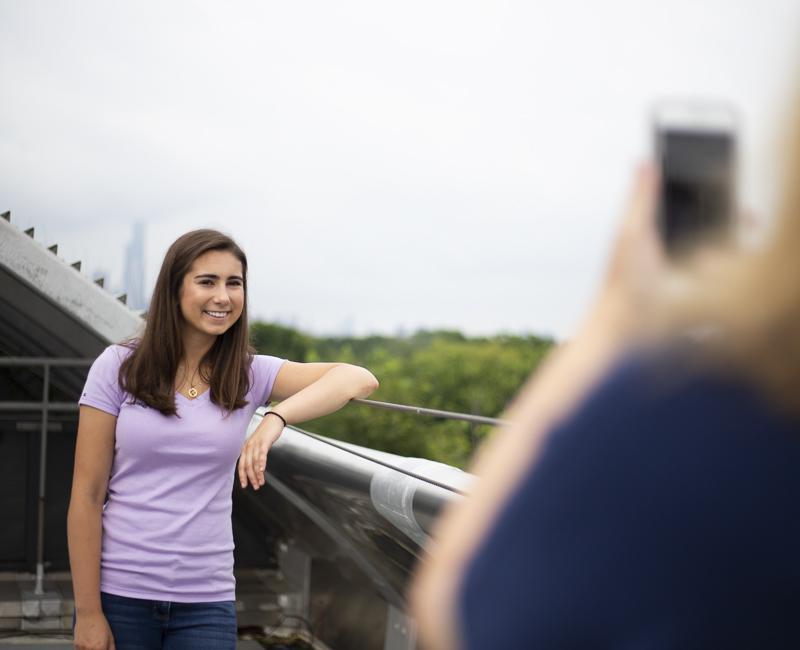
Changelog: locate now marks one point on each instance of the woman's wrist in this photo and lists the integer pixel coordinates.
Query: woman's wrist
(612, 316)
(278, 416)
(90, 610)
(272, 426)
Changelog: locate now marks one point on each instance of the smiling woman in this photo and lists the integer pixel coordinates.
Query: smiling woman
(162, 424)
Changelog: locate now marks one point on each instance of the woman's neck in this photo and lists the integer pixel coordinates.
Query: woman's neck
(195, 347)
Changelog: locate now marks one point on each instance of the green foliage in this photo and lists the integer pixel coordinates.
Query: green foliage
(284, 341)
(433, 369)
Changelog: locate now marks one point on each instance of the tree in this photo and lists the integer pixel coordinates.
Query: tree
(436, 369)
(280, 341)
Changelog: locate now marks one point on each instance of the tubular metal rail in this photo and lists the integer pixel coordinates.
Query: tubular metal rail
(45, 406)
(359, 519)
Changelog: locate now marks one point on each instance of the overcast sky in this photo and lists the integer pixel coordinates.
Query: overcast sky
(385, 166)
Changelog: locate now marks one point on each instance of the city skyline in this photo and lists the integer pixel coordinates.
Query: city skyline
(447, 165)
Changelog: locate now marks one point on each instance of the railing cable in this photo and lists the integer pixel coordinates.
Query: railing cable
(434, 413)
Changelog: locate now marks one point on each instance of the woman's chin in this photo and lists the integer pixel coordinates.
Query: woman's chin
(211, 329)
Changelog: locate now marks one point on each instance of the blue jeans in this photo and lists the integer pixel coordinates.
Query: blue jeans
(157, 625)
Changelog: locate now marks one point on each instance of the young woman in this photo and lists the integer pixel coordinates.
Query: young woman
(645, 495)
(162, 423)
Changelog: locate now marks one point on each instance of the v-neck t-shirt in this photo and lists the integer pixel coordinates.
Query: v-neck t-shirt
(167, 531)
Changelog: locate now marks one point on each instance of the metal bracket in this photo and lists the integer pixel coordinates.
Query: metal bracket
(295, 566)
(401, 631)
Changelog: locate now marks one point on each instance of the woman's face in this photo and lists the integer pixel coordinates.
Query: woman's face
(212, 293)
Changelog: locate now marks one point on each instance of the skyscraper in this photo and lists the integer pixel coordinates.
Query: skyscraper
(133, 276)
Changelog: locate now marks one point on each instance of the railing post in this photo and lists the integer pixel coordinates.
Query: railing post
(39, 589)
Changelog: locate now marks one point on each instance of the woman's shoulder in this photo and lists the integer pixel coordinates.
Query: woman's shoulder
(264, 370)
(109, 361)
(265, 362)
(102, 389)
(117, 352)
(674, 399)
(681, 378)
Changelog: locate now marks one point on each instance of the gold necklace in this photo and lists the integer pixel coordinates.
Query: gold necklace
(192, 390)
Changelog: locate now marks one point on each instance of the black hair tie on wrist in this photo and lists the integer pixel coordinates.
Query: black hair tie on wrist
(278, 415)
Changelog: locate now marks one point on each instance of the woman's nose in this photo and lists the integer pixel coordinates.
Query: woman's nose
(221, 295)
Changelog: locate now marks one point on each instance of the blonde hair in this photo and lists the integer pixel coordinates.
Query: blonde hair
(754, 297)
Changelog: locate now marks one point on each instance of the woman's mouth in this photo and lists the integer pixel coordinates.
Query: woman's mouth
(216, 315)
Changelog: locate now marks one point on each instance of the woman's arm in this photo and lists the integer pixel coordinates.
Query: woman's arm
(305, 391)
(563, 379)
(550, 395)
(310, 390)
(94, 453)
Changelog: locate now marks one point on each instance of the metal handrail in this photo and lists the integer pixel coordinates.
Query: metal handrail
(372, 459)
(402, 408)
(45, 406)
(434, 413)
(61, 407)
(44, 361)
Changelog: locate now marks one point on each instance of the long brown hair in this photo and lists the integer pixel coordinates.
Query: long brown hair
(148, 373)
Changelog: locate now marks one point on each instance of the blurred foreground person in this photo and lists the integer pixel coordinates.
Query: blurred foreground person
(646, 494)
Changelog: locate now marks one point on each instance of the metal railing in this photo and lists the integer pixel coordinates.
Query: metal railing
(45, 406)
(434, 413)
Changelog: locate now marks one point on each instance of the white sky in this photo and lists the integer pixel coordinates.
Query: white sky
(384, 165)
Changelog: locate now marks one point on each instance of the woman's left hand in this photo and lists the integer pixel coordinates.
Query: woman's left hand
(253, 459)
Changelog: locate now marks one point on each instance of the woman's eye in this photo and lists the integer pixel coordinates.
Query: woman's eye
(207, 282)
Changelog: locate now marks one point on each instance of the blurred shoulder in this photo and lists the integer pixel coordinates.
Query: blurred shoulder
(115, 353)
(676, 390)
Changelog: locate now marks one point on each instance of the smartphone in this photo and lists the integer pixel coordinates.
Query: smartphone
(696, 149)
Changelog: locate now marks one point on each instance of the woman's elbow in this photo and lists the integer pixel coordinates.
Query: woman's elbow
(89, 494)
(366, 383)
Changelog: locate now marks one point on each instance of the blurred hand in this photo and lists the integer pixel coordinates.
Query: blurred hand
(638, 261)
(638, 253)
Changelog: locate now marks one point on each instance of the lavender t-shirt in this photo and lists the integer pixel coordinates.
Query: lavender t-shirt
(167, 532)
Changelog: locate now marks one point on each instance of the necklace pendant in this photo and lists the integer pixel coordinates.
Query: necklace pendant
(192, 392)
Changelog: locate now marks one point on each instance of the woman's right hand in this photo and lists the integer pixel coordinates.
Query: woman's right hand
(92, 632)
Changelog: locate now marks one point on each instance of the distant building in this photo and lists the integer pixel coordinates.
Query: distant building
(348, 326)
(133, 275)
